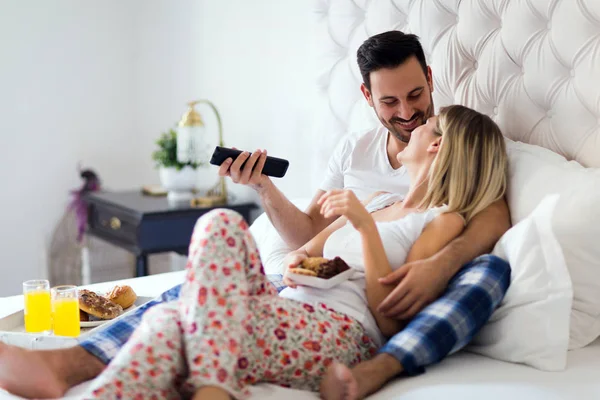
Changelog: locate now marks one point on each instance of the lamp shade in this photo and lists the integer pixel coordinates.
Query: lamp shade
(195, 149)
(190, 133)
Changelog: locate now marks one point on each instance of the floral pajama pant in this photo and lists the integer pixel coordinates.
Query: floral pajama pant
(229, 328)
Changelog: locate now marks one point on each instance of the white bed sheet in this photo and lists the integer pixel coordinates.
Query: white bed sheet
(463, 376)
(467, 376)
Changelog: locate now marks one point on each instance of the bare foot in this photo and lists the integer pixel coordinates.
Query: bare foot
(211, 393)
(339, 384)
(365, 378)
(45, 374)
(28, 374)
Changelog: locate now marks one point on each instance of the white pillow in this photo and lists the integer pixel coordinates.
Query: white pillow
(271, 246)
(531, 326)
(536, 172)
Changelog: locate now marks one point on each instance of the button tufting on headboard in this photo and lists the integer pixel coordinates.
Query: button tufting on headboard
(534, 66)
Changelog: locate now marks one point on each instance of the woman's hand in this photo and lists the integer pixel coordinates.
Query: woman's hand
(292, 260)
(345, 203)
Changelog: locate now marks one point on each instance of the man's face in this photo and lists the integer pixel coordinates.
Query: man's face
(401, 97)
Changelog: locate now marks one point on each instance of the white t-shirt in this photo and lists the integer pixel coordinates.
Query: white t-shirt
(350, 297)
(360, 163)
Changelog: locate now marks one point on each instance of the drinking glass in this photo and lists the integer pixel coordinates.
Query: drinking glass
(65, 310)
(37, 310)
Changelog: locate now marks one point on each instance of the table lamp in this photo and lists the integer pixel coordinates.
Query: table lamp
(192, 147)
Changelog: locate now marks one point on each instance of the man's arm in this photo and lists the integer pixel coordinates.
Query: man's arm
(427, 279)
(480, 237)
(295, 227)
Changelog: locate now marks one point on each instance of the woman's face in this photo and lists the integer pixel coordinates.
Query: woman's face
(419, 147)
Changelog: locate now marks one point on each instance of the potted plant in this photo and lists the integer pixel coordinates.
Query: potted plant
(179, 179)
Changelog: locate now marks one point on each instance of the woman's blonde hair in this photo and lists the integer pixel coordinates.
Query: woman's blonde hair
(470, 171)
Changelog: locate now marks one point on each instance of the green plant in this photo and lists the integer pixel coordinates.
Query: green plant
(166, 155)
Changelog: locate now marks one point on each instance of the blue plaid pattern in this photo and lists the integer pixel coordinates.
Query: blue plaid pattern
(449, 323)
(442, 328)
(106, 343)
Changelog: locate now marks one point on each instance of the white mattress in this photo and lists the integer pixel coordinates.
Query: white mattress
(463, 376)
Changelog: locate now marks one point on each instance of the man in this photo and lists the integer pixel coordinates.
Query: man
(398, 85)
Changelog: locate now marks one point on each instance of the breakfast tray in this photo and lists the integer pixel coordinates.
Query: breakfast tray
(12, 331)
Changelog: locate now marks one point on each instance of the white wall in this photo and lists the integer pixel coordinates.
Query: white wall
(251, 58)
(65, 94)
(166, 73)
(256, 59)
(98, 81)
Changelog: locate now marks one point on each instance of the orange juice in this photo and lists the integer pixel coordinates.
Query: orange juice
(37, 311)
(66, 317)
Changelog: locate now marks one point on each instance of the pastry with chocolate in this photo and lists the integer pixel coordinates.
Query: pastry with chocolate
(98, 306)
(320, 267)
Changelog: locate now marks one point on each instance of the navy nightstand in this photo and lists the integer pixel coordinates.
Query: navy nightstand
(145, 224)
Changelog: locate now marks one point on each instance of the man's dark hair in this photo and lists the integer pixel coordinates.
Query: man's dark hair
(388, 50)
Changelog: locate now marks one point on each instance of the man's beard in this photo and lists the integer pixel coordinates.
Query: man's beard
(403, 135)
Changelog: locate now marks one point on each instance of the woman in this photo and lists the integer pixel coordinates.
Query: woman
(229, 328)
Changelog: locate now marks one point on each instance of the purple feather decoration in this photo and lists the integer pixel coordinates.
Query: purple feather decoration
(91, 183)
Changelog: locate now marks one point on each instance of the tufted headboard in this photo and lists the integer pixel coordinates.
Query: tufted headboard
(532, 65)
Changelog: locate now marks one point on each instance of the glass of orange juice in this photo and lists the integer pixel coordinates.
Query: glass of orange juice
(65, 311)
(37, 310)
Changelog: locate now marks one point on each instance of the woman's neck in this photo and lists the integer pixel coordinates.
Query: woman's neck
(394, 146)
(419, 178)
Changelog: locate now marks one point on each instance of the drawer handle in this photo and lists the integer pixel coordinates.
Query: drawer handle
(115, 223)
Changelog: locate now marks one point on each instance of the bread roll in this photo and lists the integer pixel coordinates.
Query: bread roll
(123, 296)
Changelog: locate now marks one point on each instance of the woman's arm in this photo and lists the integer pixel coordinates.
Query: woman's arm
(434, 237)
(420, 282)
(314, 248)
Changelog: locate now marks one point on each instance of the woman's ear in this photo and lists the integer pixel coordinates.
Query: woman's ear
(434, 146)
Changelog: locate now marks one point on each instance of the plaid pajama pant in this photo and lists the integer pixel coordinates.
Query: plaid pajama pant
(442, 328)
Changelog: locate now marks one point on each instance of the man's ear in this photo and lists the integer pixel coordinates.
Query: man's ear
(367, 94)
(430, 78)
(434, 147)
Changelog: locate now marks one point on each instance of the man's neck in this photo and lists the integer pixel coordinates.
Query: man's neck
(394, 146)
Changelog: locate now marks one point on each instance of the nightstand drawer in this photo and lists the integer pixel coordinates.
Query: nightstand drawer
(114, 223)
(147, 225)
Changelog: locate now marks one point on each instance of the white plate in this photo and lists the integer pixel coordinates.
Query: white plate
(321, 283)
(141, 300)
